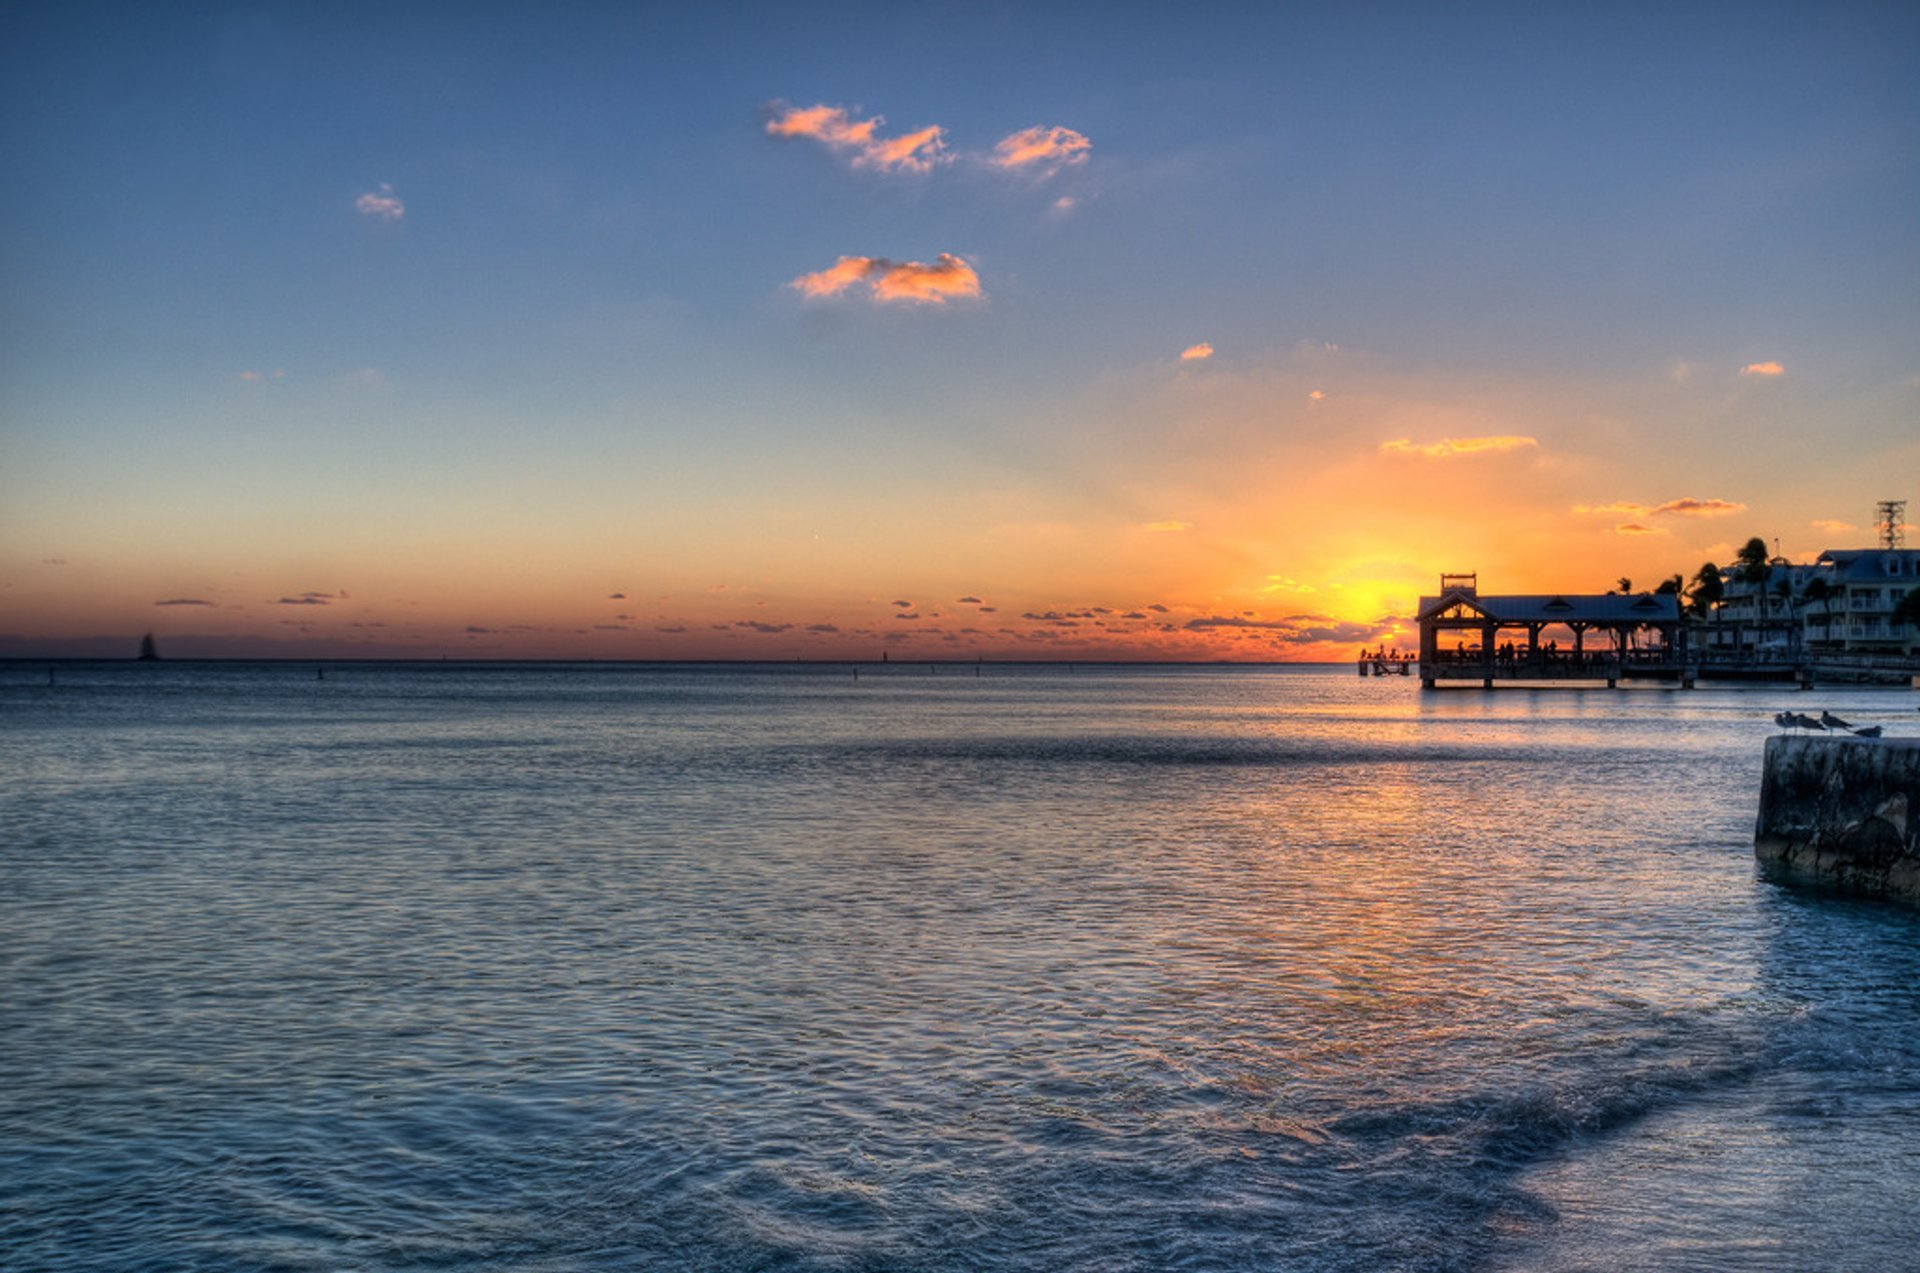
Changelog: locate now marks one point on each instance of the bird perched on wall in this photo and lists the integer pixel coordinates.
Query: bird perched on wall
(1808, 722)
(1784, 720)
(1867, 731)
(1829, 721)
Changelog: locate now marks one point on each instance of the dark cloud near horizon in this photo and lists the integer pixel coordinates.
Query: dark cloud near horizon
(822, 627)
(904, 605)
(770, 629)
(183, 601)
(616, 596)
(968, 601)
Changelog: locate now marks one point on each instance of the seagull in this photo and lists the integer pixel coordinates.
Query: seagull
(1808, 722)
(1867, 731)
(1831, 721)
(1784, 720)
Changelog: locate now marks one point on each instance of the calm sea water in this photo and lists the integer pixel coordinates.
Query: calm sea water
(766, 968)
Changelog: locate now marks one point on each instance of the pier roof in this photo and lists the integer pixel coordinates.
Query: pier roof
(1609, 609)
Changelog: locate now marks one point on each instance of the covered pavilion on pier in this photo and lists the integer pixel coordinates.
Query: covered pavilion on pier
(1467, 636)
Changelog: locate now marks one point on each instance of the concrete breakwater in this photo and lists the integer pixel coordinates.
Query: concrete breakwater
(1841, 812)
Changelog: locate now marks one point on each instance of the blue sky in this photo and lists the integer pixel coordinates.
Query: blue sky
(580, 342)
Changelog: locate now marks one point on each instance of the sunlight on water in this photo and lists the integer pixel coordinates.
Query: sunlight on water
(768, 968)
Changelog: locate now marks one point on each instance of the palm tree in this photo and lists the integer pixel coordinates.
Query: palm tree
(1626, 586)
(1753, 569)
(1708, 590)
(1906, 610)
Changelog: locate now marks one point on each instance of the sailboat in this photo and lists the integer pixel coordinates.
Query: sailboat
(148, 652)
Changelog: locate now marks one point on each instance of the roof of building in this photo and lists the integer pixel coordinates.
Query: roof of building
(1872, 565)
(1569, 607)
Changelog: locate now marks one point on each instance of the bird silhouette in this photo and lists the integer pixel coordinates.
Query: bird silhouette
(1867, 731)
(1831, 721)
(1808, 722)
(1784, 720)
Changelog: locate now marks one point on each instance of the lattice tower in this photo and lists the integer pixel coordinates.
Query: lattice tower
(1890, 519)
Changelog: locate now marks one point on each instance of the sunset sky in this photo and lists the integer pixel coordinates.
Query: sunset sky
(637, 331)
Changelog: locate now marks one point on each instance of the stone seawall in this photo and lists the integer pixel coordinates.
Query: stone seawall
(1841, 812)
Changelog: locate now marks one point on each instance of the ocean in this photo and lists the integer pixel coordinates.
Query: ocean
(554, 967)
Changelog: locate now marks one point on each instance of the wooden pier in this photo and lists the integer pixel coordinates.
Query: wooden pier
(1609, 638)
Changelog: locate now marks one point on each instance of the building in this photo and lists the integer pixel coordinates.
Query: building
(1840, 603)
(1852, 610)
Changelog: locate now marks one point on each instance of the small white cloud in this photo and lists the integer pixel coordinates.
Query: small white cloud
(1764, 370)
(382, 203)
(1196, 353)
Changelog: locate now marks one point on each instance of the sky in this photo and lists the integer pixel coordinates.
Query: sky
(950, 331)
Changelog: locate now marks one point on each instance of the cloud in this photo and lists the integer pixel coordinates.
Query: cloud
(183, 601)
(1300, 629)
(834, 128)
(1447, 448)
(1064, 204)
(822, 627)
(314, 598)
(1041, 150)
(1318, 395)
(771, 629)
(904, 605)
(1765, 370)
(1699, 507)
(1637, 528)
(1619, 508)
(1833, 526)
(616, 596)
(53, 561)
(1196, 353)
(916, 282)
(1164, 528)
(255, 376)
(382, 203)
(968, 601)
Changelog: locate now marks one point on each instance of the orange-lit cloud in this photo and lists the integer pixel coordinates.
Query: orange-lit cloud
(1685, 507)
(252, 376)
(948, 278)
(1196, 353)
(1168, 527)
(834, 128)
(382, 203)
(1042, 150)
(1317, 395)
(1833, 526)
(1447, 448)
(1637, 528)
(1699, 507)
(1763, 369)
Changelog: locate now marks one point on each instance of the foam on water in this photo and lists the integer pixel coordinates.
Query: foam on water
(763, 968)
